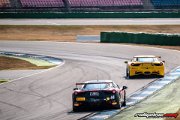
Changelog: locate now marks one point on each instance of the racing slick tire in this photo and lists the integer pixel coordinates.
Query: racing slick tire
(119, 103)
(161, 76)
(75, 109)
(124, 101)
(128, 74)
(118, 106)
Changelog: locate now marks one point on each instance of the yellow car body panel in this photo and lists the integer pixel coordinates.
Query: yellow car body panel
(145, 68)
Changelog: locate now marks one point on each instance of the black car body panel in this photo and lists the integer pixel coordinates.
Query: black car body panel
(107, 94)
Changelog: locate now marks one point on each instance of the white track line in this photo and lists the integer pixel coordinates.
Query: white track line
(137, 98)
(171, 77)
(156, 86)
(164, 82)
(148, 92)
(130, 103)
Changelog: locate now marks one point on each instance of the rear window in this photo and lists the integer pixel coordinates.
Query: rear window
(146, 59)
(96, 86)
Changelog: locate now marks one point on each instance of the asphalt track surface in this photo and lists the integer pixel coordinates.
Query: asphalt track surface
(15, 74)
(125, 21)
(47, 95)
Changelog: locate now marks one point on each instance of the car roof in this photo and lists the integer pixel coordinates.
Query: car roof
(148, 56)
(98, 81)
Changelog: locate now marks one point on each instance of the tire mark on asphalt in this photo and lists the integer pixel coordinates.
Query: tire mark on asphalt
(46, 97)
(15, 106)
(50, 99)
(84, 71)
(31, 85)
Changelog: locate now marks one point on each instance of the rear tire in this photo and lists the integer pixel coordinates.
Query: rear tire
(75, 109)
(161, 76)
(124, 101)
(128, 74)
(118, 106)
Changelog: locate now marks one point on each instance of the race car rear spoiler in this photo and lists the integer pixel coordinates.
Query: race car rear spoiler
(157, 56)
(93, 83)
(80, 83)
(90, 83)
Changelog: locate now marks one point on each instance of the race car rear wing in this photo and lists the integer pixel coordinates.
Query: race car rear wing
(139, 56)
(93, 83)
(78, 84)
(158, 56)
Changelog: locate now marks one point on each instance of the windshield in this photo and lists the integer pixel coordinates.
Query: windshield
(146, 59)
(96, 86)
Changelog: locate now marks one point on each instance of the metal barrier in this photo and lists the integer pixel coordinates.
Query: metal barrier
(89, 14)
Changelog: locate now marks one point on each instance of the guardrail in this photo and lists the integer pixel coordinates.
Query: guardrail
(89, 15)
(140, 38)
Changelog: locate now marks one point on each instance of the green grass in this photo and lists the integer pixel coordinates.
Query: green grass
(165, 101)
(3, 81)
(37, 62)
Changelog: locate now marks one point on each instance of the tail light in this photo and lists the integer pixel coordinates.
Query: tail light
(133, 64)
(114, 91)
(161, 63)
(75, 93)
(158, 64)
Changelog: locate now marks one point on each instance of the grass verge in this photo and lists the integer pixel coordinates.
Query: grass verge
(37, 62)
(3, 81)
(164, 101)
(11, 63)
(69, 33)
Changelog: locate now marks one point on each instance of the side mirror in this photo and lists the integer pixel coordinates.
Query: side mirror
(163, 61)
(75, 89)
(126, 62)
(124, 87)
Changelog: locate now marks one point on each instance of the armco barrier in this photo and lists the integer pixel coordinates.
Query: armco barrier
(141, 38)
(89, 15)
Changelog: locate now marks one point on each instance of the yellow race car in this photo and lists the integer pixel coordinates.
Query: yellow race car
(145, 65)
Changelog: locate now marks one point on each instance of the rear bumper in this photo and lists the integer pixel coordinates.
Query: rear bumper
(91, 104)
(156, 71)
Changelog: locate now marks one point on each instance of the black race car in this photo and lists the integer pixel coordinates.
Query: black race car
(98, 93)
